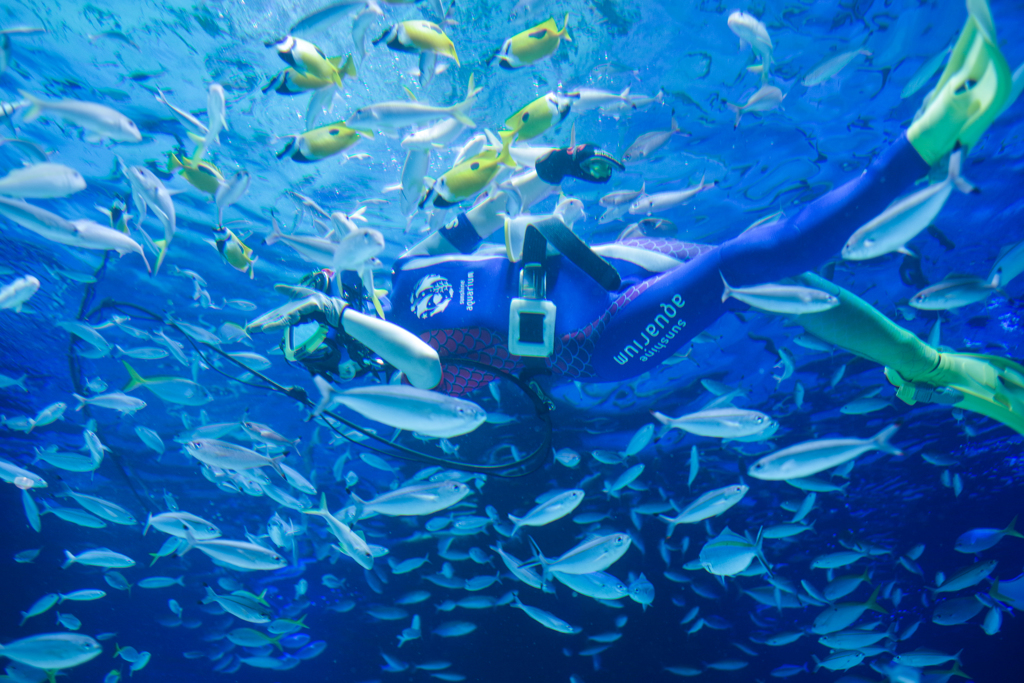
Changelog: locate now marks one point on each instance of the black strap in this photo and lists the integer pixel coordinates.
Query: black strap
(576, 250)
(534, 246)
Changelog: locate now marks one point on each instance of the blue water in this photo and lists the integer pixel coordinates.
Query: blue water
(119, 53)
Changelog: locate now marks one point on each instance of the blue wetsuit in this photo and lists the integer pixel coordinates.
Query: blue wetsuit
(459, 304)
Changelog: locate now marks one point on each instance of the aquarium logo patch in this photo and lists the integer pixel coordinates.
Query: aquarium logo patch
(430, 296)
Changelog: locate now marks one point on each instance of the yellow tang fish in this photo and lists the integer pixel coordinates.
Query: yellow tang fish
(234, 251)
(320, 143)
(539, 115)
(293, 82)
(532, 45)
(202, 175)
(419, 36)
(470, 177)
(307, 59)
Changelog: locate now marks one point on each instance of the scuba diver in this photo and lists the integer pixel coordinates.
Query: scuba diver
(612, 312)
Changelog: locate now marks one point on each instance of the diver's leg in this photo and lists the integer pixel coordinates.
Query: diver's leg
(973, 90)
(638, 331)
(817, 233)
(988, 385)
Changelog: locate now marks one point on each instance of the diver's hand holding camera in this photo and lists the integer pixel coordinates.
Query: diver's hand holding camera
(307, 305)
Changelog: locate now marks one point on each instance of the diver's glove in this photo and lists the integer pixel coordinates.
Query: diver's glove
(307, 305)
(974, 89)
(585, 162)
(989, 385)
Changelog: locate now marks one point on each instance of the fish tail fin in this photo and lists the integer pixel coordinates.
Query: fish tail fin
(291, 147)
(881, 440)
(507, 136)
(564, 33)
(190, 542)
(70, 559)
(817, 663)
(326, 392)
(349, 67)
(199, 140)
(163, 245)
(872, 603)
(358, 503)
(1011, 529)
(675, 125)
(81, 404)
(274, 235)
(276, 464)
(996, 595)
(20, 382)
(671, 525)
(727, 292)
(959, 181)
(320, 511)
(210, 596)
(459, 111)
(759, 549)
(505, 157)
(739, 114)
(136, 380)
(538, 556)
(957, 671)
(34, 110)
(149, 523)
(516, 524)
(174, 163)
(149, 269)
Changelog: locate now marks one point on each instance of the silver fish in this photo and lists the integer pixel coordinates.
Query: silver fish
(954, 292)
(830, 67)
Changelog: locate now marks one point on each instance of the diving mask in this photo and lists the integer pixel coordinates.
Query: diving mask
(600, 165)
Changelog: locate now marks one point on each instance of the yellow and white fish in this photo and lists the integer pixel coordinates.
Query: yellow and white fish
(536, 117)
(235, 252)
(291, 81)
(321, 143)
(418, 36)
(532, 45)
(307, 59)
(470, 177)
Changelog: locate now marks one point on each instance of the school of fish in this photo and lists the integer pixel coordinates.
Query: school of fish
(274, 545)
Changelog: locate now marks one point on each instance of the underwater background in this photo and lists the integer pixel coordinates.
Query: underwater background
(960, 471)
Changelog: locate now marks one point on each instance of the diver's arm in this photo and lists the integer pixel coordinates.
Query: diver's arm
(487, 217)
(469, 229)
(399, 347)
(484, 219)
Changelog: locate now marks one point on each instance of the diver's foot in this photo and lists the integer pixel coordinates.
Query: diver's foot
(973, 90)
(989, 385)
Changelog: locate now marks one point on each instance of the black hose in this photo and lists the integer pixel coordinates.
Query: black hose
(75, 368)
(516, 469)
